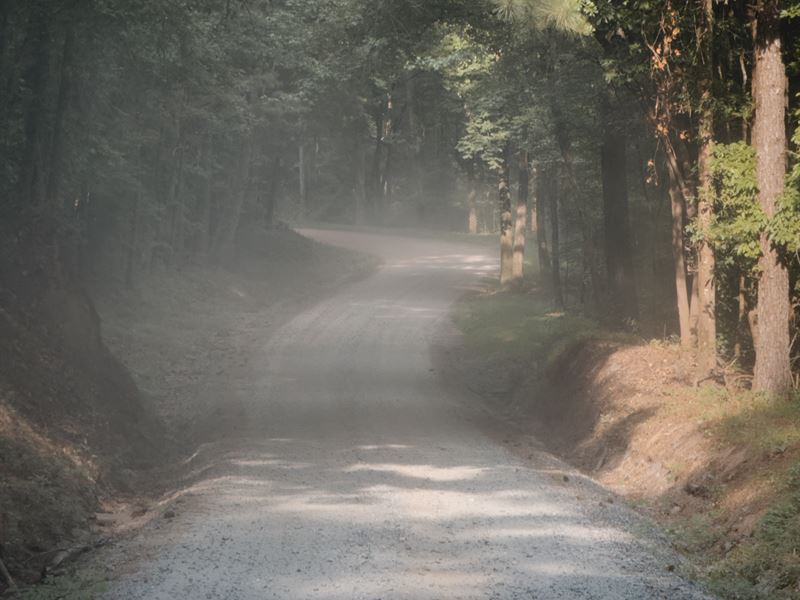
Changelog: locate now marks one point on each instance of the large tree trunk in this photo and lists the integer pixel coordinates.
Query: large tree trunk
(618, 251)
(772, 369)
(677, 193)
(506, 227)
(706, 263)
(520, 222)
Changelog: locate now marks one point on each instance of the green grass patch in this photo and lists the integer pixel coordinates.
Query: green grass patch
(521, 326)
(769, 425)
(768, 568)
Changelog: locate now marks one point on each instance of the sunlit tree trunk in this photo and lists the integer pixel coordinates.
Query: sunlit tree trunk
(706, 262)
(772, 372)
(472, 217)
(677, 194)
(555, 190)
(520, 222)
(506, 226)
(741, 319)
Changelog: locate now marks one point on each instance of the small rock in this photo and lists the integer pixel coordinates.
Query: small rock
(170, 514)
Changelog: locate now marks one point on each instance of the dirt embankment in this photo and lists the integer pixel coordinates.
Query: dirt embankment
(94, 422)
(717, 467)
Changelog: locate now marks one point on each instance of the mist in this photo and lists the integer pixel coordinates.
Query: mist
(398, 299)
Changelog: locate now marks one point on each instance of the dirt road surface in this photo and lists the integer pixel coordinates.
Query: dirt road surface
(365, 475)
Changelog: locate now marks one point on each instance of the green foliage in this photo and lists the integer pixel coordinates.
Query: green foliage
(564, 15)
(738, 219)
(785, 227)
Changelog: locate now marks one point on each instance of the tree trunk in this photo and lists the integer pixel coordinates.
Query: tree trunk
(520, 223)
(616, 224)
(301, 171)
(772, 372)
(272, 190)
(130, 258)
(506, 226)
(553, 191)
(706, 310)
(376, 179)
(676, 196)
(472, 219)
(543, 253)
(741, 319)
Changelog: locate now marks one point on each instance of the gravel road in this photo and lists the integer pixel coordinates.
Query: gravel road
(366, 476)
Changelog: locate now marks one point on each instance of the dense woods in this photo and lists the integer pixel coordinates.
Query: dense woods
(643, 145)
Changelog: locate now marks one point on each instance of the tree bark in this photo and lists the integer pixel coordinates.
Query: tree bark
(552, 191)
(741, 318)
(520, 222)
(772, 373)
(706, 261)
(679, 263)
(506, 226)
(616, 224)
(542, 250)
(472, 218)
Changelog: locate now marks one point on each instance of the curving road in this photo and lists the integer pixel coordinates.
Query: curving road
(368, 477)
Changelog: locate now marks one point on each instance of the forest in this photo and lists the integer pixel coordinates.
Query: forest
(140, 135)
(639, 159)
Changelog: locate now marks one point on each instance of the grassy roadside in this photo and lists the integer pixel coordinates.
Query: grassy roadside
(719, 469)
